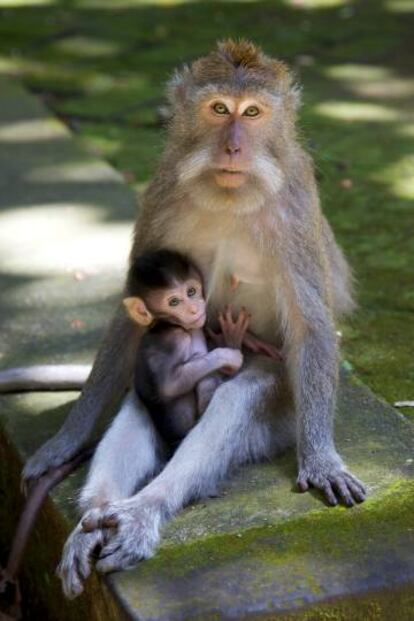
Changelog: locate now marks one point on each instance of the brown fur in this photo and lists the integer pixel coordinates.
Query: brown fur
(270, 233)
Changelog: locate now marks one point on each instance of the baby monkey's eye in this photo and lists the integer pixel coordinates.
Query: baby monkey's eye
(191, 291)
(220, 108)
(251, 111)
(173, 302)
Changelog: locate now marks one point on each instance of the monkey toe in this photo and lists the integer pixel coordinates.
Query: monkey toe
(342, 491)
(72, 583)
(117, 559)
(357, 487)
(93, 519)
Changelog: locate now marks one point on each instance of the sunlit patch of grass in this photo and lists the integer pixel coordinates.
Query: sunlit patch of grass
(406, 129)
(351, 71)
(400, 6)
(400, 177)
(8, 65)
(23, 3)
(356, 111)
(371, 81)
(316, 4)
(88, 47)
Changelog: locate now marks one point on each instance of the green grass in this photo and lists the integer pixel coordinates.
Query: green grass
(100, 65)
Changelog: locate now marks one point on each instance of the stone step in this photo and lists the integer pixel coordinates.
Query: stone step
(259, 549)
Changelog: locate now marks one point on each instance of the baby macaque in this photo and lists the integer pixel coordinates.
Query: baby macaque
(175, 374)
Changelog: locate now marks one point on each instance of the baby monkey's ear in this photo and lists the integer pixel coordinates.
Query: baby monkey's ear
(138, 311)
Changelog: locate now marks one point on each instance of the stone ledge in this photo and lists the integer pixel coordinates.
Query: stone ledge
(259, 550)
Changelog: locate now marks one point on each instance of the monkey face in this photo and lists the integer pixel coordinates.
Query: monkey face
(231, 162)
(183, 304)
(234, 122)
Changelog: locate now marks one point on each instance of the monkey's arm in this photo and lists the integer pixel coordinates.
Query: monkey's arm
(205, 390)
(312, 362)
(182, 378)
(110, 376)
(258, 346)
(44, 377)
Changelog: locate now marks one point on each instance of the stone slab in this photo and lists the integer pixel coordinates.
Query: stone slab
(259, 549)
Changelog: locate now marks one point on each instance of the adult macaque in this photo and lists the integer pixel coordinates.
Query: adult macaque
(175, 374)
(235, 192)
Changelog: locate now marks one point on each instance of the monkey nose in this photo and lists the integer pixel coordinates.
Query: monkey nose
(232, 149)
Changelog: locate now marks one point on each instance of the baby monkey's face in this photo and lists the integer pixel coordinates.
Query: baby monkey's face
(182, 304)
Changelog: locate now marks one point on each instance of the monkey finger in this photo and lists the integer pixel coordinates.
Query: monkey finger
(353, 479)
(72, 584)
(246, 323)
(223, 324)
(328, 492)
(358, 493)
(85, 554)
(110, 521)
(341, 489)
(116, 559)
(229, 313)
(110, 549)
(272, 352)
(303, 485)
(91, 520)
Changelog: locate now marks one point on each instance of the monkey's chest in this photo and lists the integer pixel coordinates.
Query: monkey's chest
(237, 275)
(234, 272)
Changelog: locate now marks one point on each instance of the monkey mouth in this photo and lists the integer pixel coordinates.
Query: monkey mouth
(202, 317)
(230, 177)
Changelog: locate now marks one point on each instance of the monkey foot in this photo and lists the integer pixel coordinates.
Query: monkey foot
(76, 563)
(134, 537)
(334, 481)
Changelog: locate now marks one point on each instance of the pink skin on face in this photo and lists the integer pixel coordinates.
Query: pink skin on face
(233, 118)
(183, 305)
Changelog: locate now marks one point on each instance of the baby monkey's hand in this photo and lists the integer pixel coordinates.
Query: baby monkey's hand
(234, 331)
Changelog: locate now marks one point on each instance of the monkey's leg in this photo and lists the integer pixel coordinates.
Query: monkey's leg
(129, 453)
(110, 376)
(234, 429)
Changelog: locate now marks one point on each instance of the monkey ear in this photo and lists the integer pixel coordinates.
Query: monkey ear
(178, 85)
(138, 311)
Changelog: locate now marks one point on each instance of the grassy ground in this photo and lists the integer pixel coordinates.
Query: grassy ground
(101, 64)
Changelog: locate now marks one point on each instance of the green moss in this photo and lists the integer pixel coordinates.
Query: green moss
(342, 531)
(296, 562)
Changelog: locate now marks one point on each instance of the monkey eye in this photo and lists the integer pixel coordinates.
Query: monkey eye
(220, 108)
(251, 111)
(173, 302)
(191, 291)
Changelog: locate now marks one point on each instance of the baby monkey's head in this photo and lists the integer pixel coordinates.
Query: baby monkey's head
(163, 285)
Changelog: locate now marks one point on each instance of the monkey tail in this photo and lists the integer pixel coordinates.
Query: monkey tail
(44, 377)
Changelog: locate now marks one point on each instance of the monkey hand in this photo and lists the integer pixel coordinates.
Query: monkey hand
(135, 524)
(75, 565)
(234, 330)
(231, 360)
(328, 473)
